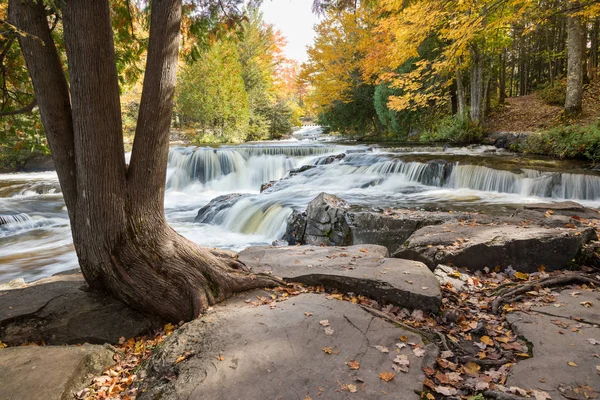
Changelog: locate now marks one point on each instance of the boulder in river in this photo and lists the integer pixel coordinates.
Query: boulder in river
(209, 212)
(523, 248)
(331, 221)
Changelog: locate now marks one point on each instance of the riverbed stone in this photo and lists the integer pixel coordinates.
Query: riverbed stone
(211, 211)
(50, 372)
(564, 340)
(331, 221)
(62, 310)
(298, 348)
(523, 248)
(360, 270)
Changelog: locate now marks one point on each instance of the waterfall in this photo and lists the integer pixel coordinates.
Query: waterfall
(13, 218)
(236, 168)
(361, 176)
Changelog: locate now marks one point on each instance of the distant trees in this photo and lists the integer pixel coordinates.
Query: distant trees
(460, 57)
(233, 87)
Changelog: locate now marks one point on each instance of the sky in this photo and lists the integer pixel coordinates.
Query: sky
(295, 20)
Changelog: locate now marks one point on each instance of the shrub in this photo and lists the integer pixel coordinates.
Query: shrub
(581, 142)
(453, 130)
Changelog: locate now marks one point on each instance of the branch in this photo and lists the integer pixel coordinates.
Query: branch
(28, 108)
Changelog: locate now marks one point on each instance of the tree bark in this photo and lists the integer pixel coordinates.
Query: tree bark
(51, 90)
(502, 78)
(460, 95)
(123, 242)
(594, 49)
(575, 56)
(477, 88)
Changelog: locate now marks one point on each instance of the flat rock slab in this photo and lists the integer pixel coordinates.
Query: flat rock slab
(556, 342)
(360, 270)
(50, 373)
(476, 247)
(240, 352)
(60, 310)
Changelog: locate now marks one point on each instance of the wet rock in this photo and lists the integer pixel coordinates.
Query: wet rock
(271, 353)
(356, 269)
(331, 159)
(391, 230)
(49, 372)
(563, 208)
(476, 247)
(506, 140)
(330, 221)
(267, 185)
(564, 340)
(210, 212)
(326, 222)
(294, 232)
(303, 168)
(61, 310)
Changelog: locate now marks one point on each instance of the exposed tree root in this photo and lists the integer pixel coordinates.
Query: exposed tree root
(492, 394)
(510, 293)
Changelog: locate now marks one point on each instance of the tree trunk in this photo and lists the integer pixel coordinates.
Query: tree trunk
(477, 88)
(502, 78)
(594, 49)
(123, 242)
(574, 63)
(460, 95)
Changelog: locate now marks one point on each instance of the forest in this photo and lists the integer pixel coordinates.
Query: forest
(438, 70)
(408, 208)
(234, 82)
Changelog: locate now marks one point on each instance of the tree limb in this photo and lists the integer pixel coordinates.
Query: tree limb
(22, 110)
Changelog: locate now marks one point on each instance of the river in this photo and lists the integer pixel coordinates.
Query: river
(35, 239)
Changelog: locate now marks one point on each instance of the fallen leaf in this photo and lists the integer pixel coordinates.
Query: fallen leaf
(586, 304)
(328, 350)
(308, 314)
(352, 388)
(329, 331)
(382, 349)
(220, 358)
(353, 364)
(487, 340)
(445, 390)
(571, 364)
(521, 276)
(419, 352)
(324, 322)
(471, 368)
(387, 376)
(592, 341)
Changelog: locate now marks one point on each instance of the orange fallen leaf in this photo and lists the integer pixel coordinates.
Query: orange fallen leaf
(328, 350)
(387, 376)
(353, 364)
(487, 340)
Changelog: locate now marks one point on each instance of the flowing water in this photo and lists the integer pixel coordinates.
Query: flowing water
(35, 239)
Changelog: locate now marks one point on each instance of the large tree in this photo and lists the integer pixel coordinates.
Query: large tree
(121, 237)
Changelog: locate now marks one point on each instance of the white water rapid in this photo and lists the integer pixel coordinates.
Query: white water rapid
(35, 237)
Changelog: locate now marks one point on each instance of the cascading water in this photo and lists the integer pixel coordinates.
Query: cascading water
(34, 228)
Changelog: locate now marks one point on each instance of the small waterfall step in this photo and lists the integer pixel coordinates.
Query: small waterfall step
(362, 270)
(13, 218)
